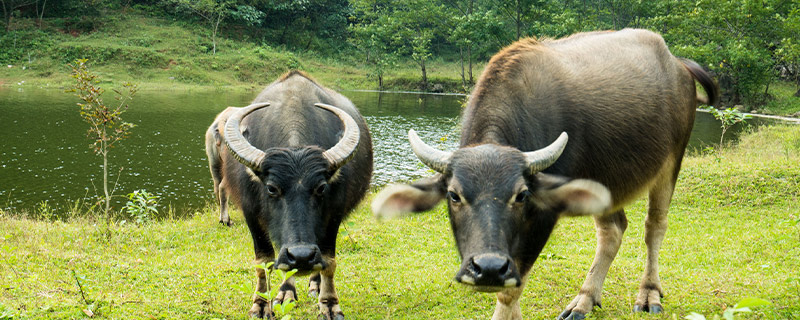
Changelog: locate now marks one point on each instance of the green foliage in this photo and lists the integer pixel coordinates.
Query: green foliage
(45, 211)
(139, 56)
(727, 118)
(23, 46)
(283, 310)
(5, 313)
(141, 206)
(106, 126)
(743, 306)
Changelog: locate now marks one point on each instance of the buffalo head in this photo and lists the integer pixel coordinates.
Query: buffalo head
(502, 208)
(296, 184)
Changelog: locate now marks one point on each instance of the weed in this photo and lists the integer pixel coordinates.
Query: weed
(141, 206)
(743, 306)
(45, 211)
(5, 313)
(727, 119)
(283, 310)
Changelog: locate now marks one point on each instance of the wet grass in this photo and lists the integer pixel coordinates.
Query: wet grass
(734, 233)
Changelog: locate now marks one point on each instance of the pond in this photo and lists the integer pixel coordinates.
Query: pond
(46, 156)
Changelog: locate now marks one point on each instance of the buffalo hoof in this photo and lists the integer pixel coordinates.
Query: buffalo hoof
(226, 223)
(653, 308)
(329, 310)
(571, 315)
(260, 309)
(287, 293)
(313, 286)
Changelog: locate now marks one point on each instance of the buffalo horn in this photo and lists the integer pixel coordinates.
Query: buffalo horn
(541, 159)
(433, 158)
(237, 144)
(344, 150)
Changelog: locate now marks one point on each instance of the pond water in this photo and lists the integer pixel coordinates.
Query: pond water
(46, 156)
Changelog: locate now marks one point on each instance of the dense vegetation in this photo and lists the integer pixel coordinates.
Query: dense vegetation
(734, 232)
(751, 45)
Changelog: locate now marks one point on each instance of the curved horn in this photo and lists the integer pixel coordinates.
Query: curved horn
(345, 149)
(541, 159)
(241, 149)
(435, 159)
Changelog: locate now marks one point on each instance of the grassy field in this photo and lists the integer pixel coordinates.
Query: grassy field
(734, 233)
(161, 54)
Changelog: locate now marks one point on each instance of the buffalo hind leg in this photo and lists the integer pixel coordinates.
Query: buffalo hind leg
(650, 292)
(328, 298)
(222, 195)
(610, 229)
(507, 307)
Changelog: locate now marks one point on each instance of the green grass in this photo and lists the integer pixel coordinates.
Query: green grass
(783, 101)
(734, 233)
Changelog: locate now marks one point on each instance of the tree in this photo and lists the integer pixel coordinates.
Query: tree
(212, 11)
(410, 24)
(9, 6)
(106, 126)
(736, 39)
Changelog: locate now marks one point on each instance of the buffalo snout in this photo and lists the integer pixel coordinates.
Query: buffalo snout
(489, 272)
(302, 257)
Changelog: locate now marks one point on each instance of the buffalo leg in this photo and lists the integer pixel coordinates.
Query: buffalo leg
(222, 195)
(507, 307)
(609, 228)
(264, 254)
(650, 291)
(313, 285)
(328, 298)
(286, 293)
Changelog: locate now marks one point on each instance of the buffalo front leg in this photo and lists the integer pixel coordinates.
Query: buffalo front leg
(507, 307)
(286, 293)
(313, 285)
(261, 307)
(610, 229)
(650, 291)
(328, 298)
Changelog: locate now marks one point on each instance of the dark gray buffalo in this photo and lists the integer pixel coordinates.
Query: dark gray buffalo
(298, 161)
(214, 141)
(627, 107)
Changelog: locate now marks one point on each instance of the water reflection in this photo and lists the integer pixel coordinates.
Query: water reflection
(45, 155)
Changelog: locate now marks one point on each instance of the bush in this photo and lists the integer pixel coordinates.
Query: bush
(22, 45)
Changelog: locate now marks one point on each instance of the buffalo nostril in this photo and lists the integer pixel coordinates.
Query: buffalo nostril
(503, 269)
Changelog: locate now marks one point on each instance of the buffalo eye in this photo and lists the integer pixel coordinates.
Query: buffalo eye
(453, 197)
(321, 189)
(273, 191)
(522, 196)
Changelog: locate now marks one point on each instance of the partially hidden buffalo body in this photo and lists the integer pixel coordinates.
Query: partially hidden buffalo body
(579, 126)
(214, 145)
(299, 160)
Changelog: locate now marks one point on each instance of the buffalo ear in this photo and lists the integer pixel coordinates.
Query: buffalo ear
(398, 200)
(579, 197)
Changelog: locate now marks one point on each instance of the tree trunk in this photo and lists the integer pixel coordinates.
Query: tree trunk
(40, 15)
(424, 76)
(214, 34)
(380, 81)
(519, 19)
(463, 78)
(7, 17)
(469, 58)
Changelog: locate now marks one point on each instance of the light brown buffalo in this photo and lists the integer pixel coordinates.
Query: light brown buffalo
(625, 104)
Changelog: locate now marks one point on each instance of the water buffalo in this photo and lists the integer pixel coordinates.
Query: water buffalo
(214, 140)
(298, 161)
(625, 104)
